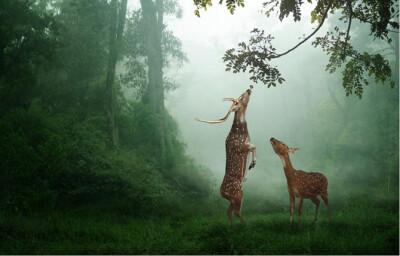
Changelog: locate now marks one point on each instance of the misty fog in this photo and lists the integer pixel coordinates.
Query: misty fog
(286, 112)
(100, 152)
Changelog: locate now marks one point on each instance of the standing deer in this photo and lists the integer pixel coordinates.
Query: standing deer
(303, 185)
(238, 147)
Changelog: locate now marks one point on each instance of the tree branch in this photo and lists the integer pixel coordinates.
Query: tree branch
(313, 33)
(388, 48)
(370, 22)
(395, 14)
(348, 30)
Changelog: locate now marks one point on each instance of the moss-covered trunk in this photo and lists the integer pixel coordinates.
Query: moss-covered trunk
(153, 20)
(117, 21)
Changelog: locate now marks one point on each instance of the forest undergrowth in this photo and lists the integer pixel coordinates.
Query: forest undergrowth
(359, 226)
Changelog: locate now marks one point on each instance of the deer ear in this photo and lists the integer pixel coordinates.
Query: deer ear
(293, 150)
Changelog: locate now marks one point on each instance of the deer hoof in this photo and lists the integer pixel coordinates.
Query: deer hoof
(252, 164)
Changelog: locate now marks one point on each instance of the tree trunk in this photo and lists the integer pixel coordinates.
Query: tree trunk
(153, 20)
(117, 22)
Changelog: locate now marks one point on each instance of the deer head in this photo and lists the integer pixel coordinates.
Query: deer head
(239, 104)
(281, 148)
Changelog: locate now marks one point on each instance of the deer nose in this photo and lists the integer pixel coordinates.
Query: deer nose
(271, 139)
(248, 91)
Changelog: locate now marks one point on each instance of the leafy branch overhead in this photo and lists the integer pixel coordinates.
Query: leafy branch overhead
(230, 5)
(257, 54)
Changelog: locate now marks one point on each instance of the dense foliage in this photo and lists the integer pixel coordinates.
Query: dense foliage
(257, 55)
(55, 149)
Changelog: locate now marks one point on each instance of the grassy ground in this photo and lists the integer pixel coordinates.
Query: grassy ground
(354, 230)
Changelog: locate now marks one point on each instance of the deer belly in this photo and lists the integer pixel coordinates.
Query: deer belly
(307, 192)
(236, 164)
(235, 171)
(294, 192)
(231, 188)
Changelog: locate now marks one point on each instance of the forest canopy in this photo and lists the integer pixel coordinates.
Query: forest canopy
(257, 54)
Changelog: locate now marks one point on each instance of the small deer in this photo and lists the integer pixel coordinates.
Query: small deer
(238, 148)
(303, 185)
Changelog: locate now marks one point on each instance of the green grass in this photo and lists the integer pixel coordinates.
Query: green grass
(354, 230)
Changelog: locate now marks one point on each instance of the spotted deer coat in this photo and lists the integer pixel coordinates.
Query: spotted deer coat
(236, 158)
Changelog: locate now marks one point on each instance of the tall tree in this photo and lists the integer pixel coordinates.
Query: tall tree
(151, 48)
(153, 18)
(117, 22)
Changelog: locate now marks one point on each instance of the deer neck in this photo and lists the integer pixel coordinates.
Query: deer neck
(239, 122)
(287, 166)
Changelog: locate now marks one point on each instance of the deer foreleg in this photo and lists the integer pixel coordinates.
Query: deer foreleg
(252, 149)
(291, 199)
(299, 210)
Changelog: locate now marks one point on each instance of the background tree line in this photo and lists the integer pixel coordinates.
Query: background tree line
(69, 134)
(83, 117)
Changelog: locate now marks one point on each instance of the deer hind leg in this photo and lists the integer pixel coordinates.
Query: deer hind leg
(299, 210)
(230, 211)
(316, 202)
(325, 198)
(238, 208)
